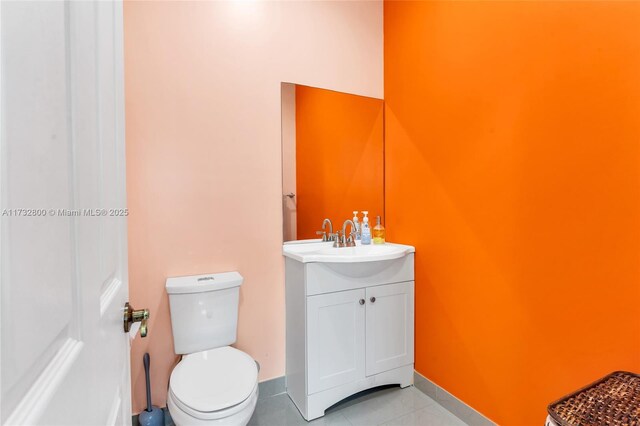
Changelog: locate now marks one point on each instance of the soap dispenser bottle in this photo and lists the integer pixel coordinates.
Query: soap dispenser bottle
(378, 232)
(366, 231)
(357, 224)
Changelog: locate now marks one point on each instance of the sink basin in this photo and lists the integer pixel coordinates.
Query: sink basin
(325, 252)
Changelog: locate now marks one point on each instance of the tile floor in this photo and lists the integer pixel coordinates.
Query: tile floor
(383, 406)
(389, 406)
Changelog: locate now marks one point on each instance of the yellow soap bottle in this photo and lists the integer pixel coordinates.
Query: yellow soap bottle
(378, 233)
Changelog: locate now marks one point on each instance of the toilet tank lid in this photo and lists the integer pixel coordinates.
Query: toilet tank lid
(202, 283)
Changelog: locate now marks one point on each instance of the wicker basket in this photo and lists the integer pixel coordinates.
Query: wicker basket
(613, 400)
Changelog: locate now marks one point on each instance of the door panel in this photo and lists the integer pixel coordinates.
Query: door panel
(65, 357)
(389, 327)
(335, 333)
(45, 147)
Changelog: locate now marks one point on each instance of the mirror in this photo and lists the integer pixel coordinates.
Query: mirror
(332, 159)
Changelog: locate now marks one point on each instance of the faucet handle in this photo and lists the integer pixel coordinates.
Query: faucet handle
(324, 235)
(337, 242)
(351, 240)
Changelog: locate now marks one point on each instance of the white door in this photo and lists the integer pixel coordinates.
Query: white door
(389, 327)
(64, 354)
(335, 338)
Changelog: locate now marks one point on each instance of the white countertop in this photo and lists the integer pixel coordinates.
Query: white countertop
(306, 252)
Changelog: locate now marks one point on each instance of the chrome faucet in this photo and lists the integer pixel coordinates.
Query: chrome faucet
(324, 222)
(351, 240)
(330, 236)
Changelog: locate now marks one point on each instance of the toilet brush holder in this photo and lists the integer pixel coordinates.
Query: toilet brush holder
(152, 415)
(155, 417)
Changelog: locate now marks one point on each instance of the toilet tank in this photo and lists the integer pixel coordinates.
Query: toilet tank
(204, 311)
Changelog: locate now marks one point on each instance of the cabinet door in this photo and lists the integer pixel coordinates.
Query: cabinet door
(389, 327)
(335, 339)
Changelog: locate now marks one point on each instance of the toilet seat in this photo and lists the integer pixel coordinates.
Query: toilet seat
(214, 384)
(246, 405)
(239, 418)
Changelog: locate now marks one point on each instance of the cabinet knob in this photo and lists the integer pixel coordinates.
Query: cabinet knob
(373, 300)
(361, 301)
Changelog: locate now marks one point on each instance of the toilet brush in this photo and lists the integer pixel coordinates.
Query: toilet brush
(152, 416)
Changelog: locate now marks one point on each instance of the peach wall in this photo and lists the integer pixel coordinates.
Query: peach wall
(339, 158)
(513, 166)
(203, 149)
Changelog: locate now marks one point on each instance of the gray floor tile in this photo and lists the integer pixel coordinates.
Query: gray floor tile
(271, 387)
(432, 415)
(334, 418)
(277, 418)
(279, 410)
(460, 409)
(273, 404)
(276, 410)
(389, 404)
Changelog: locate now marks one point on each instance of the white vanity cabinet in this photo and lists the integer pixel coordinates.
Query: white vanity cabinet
(349, 328)
(389, 327)
(335, 339)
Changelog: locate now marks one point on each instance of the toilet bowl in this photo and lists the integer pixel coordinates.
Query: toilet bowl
(213, 384)
(214, 387)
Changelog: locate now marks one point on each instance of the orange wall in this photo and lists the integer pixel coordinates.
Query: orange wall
(339, 158)
(513, 166)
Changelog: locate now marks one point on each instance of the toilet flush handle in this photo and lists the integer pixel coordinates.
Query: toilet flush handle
(131, 315)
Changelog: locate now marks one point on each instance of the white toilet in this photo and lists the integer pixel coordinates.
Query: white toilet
(213, 384)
